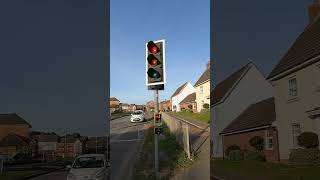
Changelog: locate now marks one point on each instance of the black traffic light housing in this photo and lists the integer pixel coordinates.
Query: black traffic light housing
(155, 63)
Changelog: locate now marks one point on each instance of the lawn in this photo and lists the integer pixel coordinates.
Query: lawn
(172, 156)
(253, 170)
(202, 116)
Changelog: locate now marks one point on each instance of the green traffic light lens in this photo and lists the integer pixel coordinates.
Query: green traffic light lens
(152, 73)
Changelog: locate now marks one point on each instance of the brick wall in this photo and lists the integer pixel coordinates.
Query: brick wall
(242, 140)
(185, 106)
(22, 130)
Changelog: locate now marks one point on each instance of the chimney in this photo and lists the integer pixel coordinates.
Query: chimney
(314, 10)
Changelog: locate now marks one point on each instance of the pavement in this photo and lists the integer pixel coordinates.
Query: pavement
(199, 135)
(126, 141)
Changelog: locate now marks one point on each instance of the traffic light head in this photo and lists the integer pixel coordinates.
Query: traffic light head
(155, 63)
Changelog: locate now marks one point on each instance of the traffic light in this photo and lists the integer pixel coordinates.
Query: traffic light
(155, 63)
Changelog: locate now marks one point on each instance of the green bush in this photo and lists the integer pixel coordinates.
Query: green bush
(305, 157)
(231, 148)
(308, 140)
(236, 155)
(257, 142)
(254, 156)
(206, 106)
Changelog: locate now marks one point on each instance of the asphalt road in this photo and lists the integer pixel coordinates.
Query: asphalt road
(126, 141)
(61, 175)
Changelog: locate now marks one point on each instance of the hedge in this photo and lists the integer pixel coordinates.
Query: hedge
(303, 157)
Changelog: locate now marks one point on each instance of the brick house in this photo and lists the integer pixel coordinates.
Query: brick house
(124, 107)
(69, 146)
(297, 87)
(165, 105)
(114, 104)
(47, 145)
(181, 92)
(13, 123)
(202, 87)
(13, 144)
(257, 120)
(231, 97)
(189, 101)
(150, 106)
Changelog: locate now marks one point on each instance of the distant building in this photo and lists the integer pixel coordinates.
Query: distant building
(47, 145)
(189, 102)
(165, 105)
(202, 88)
(114, 104)
(69, 146)
(11, 123)
(124, 107)
(150, 106)
(182, 92)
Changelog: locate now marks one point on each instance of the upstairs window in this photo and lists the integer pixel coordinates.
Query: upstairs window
(293, 89)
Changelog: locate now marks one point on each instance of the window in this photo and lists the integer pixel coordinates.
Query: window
(269, 140)
(293, 90)
(201, 89)
(295, 133)
(202, 103)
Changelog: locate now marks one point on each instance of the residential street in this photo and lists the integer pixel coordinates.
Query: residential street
(61, 175)
(126, 140)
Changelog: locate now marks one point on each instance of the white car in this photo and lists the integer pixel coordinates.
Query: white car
(137, 116)
(89, 167)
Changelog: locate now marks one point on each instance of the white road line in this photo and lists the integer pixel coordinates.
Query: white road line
(126, 140)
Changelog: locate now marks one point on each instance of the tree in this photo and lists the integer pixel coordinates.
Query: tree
(206, 106)
(308, 140)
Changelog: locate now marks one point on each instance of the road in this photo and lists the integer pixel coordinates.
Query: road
(126, 141)
(61, 175)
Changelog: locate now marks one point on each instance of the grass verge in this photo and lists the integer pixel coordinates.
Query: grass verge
(171, 156)
(119, 115)
(253, 170)
(202, 116)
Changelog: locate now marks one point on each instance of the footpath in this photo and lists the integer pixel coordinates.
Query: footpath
(199, 137)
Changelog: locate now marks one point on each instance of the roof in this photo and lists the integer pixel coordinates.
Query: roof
(124, 104)
(47, 138)
(12, 119)
(204, 77)
(179, 89)
(14, 140)
(256, 115)
(224, 86)
(189, 98)
(114, 106)
(69, 139)
(305, 47)
(114, 99)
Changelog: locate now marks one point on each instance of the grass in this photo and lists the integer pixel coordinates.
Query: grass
(175, 157)
(263, 170)
(203, 116)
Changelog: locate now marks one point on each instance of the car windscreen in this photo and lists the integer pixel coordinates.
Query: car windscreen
(88, 162)
(137, 112)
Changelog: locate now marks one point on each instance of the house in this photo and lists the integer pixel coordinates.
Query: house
(296, 81)
(202, 88)
(97, 144)
(165, 105)
(150, 106)
(140, 107)
(132, 107)
(231, 97)
(114, 104)
(124, 107)
(47, 145)
(69, 146)
(182, 92)
(11, 123)
(13, 144)
(257, 120)
(189, 102)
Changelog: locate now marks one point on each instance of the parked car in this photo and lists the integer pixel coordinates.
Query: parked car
(137, 116)
(89, 166)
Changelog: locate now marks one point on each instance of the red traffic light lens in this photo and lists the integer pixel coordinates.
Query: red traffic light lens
(152, 47)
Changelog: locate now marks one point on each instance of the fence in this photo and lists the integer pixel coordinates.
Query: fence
(181, 130)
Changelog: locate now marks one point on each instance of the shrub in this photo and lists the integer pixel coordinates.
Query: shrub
(206, 106)
(308, 140)
(231, 148)
(189, 111)
(236, 155)
(254, 156)
(305, 157)
(257, 142)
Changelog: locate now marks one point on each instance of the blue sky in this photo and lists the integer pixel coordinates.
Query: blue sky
(185, 27)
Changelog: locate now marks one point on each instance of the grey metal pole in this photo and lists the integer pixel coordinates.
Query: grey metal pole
(156, 136)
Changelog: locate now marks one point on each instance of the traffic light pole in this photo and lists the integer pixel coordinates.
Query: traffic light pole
(156, 136)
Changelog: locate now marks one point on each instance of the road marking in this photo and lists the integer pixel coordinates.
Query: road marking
(126, 140)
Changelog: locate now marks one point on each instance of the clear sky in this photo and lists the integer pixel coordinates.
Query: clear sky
(257, 31)
(185, 27)
(53, 67)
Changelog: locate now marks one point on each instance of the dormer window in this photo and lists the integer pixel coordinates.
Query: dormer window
(293, 89)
